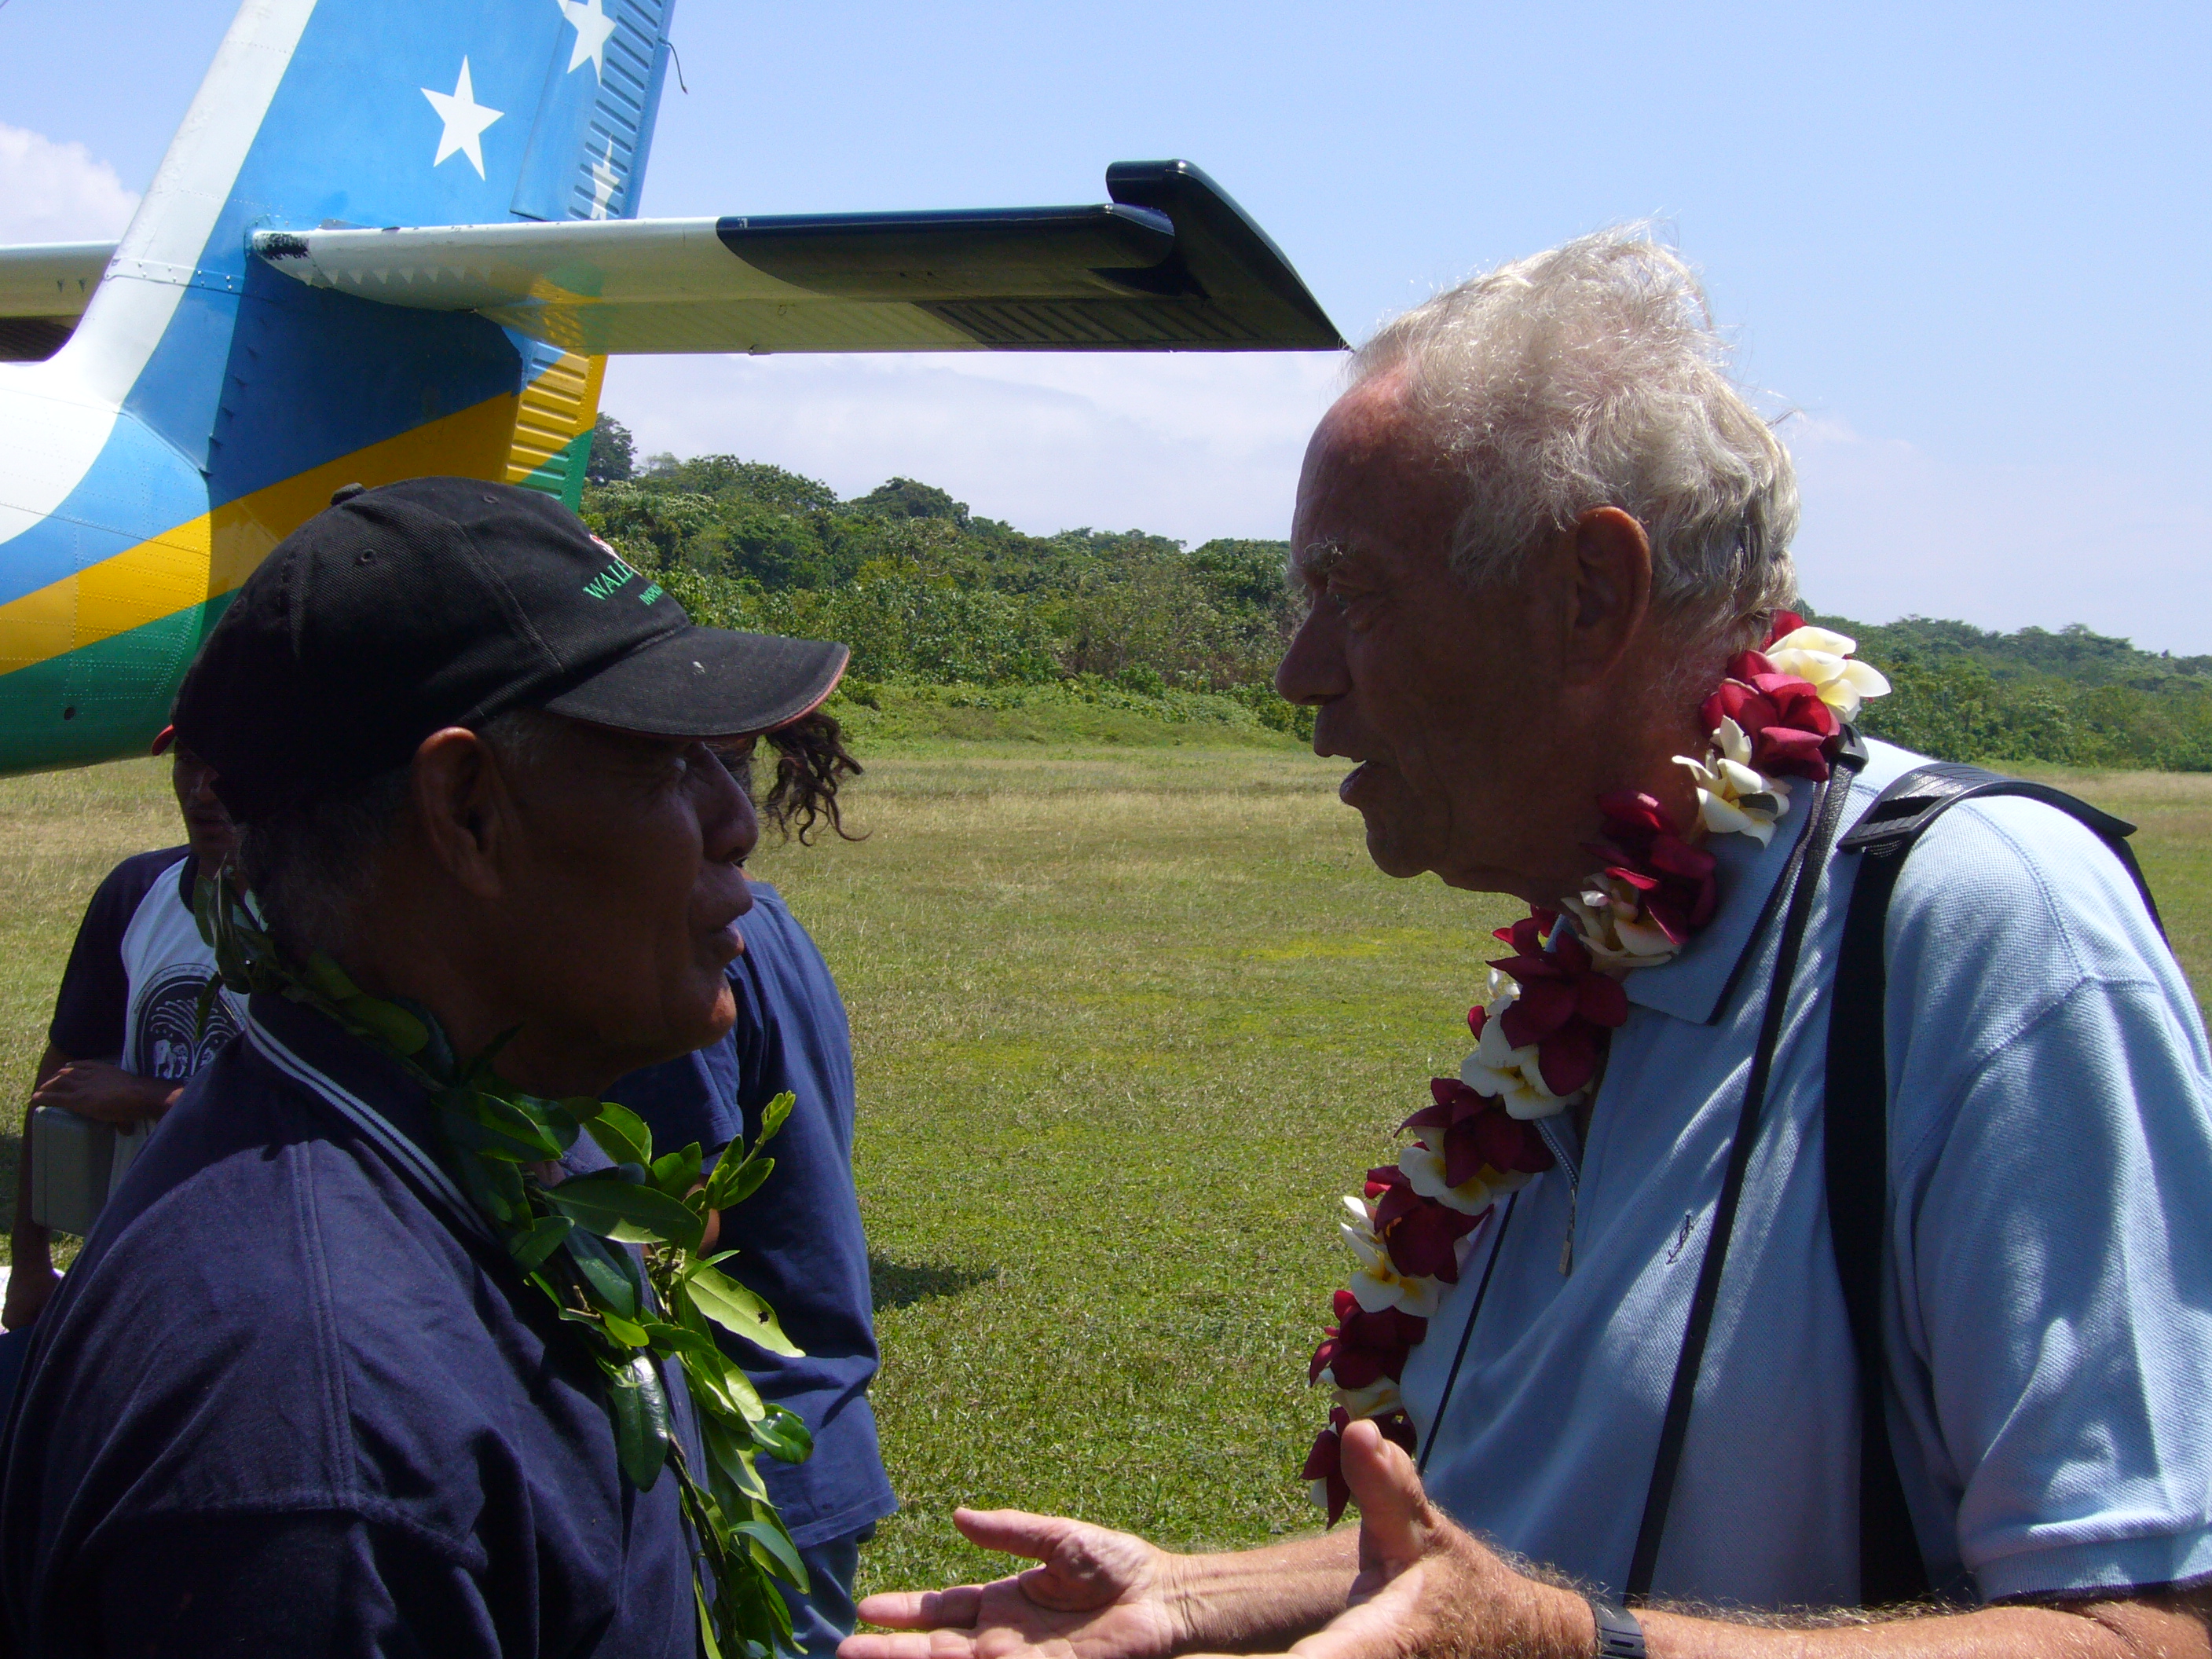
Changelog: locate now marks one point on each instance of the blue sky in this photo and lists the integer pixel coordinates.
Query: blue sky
(1968, 245)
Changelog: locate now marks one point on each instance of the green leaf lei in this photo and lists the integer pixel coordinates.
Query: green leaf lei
(496, 1138)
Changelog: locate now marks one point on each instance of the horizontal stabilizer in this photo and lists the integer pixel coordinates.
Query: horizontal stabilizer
(1171, 265)
(44, 289)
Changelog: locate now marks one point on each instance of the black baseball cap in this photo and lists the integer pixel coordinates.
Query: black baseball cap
(441, 602)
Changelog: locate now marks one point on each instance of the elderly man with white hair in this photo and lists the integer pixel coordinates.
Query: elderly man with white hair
(1641, 1316)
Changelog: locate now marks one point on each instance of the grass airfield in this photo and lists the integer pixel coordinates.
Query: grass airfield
(1127, 1016)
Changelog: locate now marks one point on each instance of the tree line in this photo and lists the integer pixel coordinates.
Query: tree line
(927, 592)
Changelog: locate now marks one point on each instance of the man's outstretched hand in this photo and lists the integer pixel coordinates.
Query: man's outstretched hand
(1426, 1589)
(1097, 1594)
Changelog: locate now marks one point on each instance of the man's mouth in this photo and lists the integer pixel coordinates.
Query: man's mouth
(1351, 781)
(725, 932)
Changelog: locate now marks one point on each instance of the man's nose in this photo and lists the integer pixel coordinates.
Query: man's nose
(1312, 671)
(729, 827)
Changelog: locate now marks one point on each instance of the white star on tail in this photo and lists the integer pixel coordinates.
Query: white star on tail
(605, 182)
(464, 118)
(593, 27)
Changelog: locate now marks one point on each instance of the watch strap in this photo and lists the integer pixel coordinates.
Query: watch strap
(1619, 1634)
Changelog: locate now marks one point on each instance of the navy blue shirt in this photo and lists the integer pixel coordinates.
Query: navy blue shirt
(799, 1234)
(337, 1422)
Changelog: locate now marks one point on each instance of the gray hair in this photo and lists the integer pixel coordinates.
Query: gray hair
(1593, 376)
(308, 865)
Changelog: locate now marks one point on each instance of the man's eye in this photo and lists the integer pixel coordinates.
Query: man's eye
(1341, 596)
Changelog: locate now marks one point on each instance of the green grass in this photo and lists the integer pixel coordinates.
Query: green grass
(1063, 713)
(1124, 1024)
(1126, 1017)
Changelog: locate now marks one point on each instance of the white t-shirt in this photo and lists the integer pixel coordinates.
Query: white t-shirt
(139, 956)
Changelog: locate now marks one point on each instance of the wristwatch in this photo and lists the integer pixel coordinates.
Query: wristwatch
(1619, 1634)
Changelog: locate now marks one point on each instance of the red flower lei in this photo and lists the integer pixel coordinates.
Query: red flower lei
(1554, 1003)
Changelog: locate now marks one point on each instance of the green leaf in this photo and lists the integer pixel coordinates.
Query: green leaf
(734, 1308)
(323, 973)
(498, 1127)
(576, 1110)
(386, 1022)
(772, 1117)
(626, 1332)
(543, 1238)
(771, 1537)
(639, 1406)
(706, 1367)
(677, 1173)
(607, 1206)
(736, 1179)
(783, 1437)
(605, 1273)
(621, 1134)
(733, 1460)
(708, 1644)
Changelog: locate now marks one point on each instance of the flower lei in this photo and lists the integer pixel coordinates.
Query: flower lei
(497, 1141)
(1553, 1004)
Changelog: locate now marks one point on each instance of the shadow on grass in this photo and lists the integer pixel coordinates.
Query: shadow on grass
(902, 1284)
(11, 1158)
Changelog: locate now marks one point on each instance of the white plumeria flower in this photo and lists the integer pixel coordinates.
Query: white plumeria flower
(1376, 1284)
(1734, 799)
(1823, 658)
(1605, 914)
(1502, 1182)
(1426, 1169)
(1378, 1399)
(1508, 1074)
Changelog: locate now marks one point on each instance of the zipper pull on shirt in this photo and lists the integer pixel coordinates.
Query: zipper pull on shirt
(1560, 1136)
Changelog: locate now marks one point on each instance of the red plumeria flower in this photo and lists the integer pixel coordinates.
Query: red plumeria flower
(1565, 1004)
(1790, 728)
(1324, 1464)
(1644, 850)
(1477, 1130)
(1362, 1348)
(1419, 1234)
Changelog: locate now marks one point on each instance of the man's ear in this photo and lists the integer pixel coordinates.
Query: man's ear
(463, 808)
(1611, 562)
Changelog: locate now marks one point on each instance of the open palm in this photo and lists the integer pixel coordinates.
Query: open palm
(1095, 1594)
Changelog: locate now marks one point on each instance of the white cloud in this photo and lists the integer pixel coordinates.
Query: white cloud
(51, 192)
(1190, 445)
(1891, 530)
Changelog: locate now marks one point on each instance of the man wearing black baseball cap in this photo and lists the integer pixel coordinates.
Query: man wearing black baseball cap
(467, 748)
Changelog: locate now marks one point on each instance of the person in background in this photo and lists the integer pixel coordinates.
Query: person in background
(798, 1237)
(126, 1035)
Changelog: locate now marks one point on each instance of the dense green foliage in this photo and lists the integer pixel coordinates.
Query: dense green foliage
(927, 593)
(613, 455)
(2072, 698)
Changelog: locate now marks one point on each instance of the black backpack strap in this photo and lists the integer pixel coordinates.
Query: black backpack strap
(1800, 880)
(1891, 1569)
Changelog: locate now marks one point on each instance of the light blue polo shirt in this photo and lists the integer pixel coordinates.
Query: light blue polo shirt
(2048, 1301)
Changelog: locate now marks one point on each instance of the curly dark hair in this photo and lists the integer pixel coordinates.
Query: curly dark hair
(811, 762)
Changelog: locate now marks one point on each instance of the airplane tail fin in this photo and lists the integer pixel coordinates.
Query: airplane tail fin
(318, 113)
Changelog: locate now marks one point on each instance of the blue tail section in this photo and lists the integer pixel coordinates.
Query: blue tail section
(206, 404)
(395, 112)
